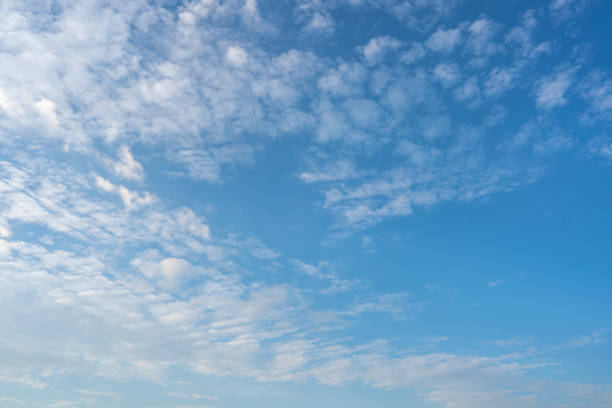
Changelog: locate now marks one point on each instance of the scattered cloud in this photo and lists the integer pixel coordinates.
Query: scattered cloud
(447, 74)
(325, 271)
(126, 166)
(375, 50)
(23, 380)
(236, 56)
(444, 40)
(340, 170)
(598, 147)
(191, 396)
(131, 199)
(564, 10)
(469, 90)
(481, 39)
(415, 53)
(597, 337)
(499, 81)
(512, 342)
(321, 23)
(596, 89)
(497, 283)
(105, 394)
(46, 108)
(551, 90)
(385, 129)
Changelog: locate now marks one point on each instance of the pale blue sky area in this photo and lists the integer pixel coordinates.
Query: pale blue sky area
(360, 203)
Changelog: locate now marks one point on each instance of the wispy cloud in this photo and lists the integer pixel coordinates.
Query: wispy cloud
(597, 337)
(551, 91)
(496, 283)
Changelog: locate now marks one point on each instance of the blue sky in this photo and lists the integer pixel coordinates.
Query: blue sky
(305, 203)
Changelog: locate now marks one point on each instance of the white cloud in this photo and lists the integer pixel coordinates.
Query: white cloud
(364, 113)
(326, 271)
(601, 147)
(5, 248)
(499, 81)
(46, 109)
(9, 106)
(321, 23)
(440, 378)
(513, 342)
(433, 176)
(444, 40)
(523, 37)
(339, 170)
(480, 40)
(333, 126)
(345, 79)
(221, 326)
(564, 10)
(469, 90)
(419, 15)
(173, 268)
(597, 337)
(447, 74)
(5, 231)
(496, 116)
(105, 87)
(126, 166)
(13, 401)
(374, 51)
(551, 90)
(192, 395)
(131, 199)
(596, 89)
(541, 137)
(104, 184)
(135, 312)
(188, 18)
(206, 118)
(105, 394)
(207, 164)
(23, 380)
(194, 406)
(497, 283)
(252, 245)
(236, 56)
(415, 53)
(250, 12)
(63, 202)
(556, 142)
(417, 154)
(169, 273)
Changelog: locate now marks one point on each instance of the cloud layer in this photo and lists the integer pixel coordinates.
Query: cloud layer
(100, 100)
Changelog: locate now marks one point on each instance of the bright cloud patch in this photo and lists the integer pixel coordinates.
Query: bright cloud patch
(443, 40)
(46, 108)
(126, 166)
(236, 56)
(552, 90)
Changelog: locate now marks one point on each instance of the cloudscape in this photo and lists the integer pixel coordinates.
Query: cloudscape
(305, 203)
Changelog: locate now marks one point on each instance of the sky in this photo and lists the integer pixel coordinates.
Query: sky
(354, 203)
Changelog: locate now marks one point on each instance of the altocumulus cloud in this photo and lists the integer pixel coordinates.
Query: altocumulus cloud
(104, 105)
